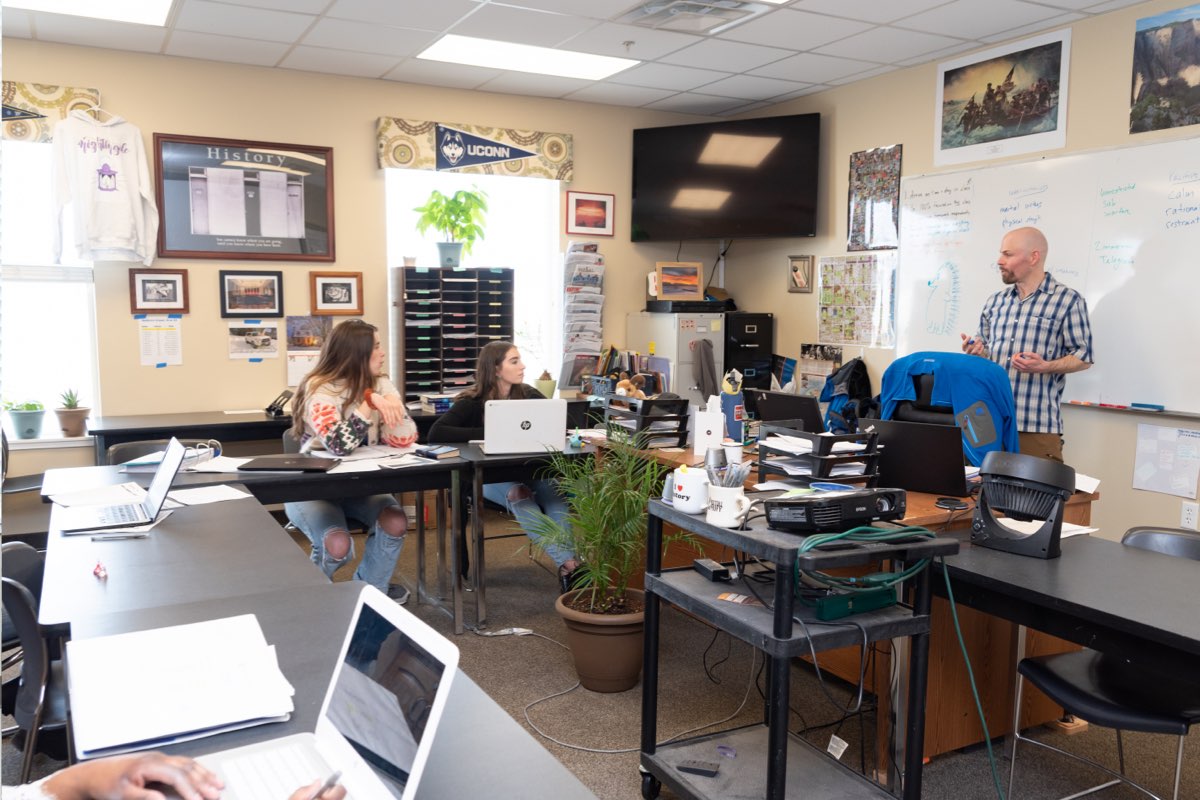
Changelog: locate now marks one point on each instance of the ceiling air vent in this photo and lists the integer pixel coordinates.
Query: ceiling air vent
(692, 16)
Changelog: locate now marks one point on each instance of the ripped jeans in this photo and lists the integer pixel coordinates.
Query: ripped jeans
(315, 518)
(545, 498)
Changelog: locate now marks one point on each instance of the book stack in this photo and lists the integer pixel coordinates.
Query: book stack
(436, 403)
(583, 306)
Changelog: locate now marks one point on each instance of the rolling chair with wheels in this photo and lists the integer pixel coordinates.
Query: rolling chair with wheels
(25, 565)
(1106, 690)
(41, 704)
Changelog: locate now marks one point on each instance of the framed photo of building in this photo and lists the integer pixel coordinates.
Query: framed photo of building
(158, 291)
(228, 198)
(249, 295)
(590, 214)
(336, 292)
(680, 280)
(800, 274)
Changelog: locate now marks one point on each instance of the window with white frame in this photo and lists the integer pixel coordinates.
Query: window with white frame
(522, 232)
(47, 310)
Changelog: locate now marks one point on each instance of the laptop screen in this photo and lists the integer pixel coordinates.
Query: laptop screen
(164, 476)
(384, 696)
(920, 457)
(784, 406)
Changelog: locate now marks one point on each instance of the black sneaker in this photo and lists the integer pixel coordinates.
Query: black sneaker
(398, 592)
(567, 581)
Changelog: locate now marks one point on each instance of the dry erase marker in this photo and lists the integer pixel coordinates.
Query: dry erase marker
(112, 537)
(1147, 406)
(329, 783)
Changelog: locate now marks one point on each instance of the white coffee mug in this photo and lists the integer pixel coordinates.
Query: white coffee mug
(726, 506)
(733, 453)
(689, 489)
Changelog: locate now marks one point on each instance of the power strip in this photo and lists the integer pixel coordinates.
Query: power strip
(836, 606)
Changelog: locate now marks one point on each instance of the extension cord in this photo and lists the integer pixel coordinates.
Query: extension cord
(507, 632)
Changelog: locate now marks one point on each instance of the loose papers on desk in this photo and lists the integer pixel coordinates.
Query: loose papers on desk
(148, 689)
(800, 446)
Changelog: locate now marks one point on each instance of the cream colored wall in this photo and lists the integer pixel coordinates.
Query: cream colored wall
(898, 108)
(185, 96)
(201, 98)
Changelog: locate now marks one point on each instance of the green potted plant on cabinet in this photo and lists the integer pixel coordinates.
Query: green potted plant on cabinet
(26, 417)
(72, 416)
(459, 218)
(607, 497)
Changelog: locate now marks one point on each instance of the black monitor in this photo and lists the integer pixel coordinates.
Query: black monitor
(920, 457)
(783, 406)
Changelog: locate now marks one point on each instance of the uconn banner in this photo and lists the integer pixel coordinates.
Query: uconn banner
(416, 144)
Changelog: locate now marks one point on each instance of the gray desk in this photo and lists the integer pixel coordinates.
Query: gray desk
(199, 553)
(1100, 594)
(479, 751)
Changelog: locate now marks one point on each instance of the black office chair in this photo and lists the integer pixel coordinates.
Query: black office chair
(25, 565)
(922, 409)
(41, 704)
(126, 451)
(1106, 690)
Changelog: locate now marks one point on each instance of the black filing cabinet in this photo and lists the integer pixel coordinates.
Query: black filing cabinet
(749, 343)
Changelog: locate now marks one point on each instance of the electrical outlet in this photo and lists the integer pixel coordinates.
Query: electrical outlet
(1188, 515)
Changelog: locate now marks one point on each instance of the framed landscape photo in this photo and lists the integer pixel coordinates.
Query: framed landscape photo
(590, 214)
(336, 292)
(248, 295)
(158, 291)
(800, 274)
(680, 280)
(228, 198)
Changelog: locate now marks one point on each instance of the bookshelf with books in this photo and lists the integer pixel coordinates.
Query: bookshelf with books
(448, 316)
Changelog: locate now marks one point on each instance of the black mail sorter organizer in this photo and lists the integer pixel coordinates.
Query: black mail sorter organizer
(770, 762)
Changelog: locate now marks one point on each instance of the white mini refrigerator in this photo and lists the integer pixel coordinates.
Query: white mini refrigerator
(674, 336)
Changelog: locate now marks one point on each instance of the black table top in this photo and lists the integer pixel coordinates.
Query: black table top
(1098, 593)
(479, 751)
(199, 553)
(149, 423)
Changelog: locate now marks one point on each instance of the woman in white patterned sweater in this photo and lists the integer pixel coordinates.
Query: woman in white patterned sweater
(343, 403)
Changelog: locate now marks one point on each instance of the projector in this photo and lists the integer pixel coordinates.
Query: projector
(820, 513)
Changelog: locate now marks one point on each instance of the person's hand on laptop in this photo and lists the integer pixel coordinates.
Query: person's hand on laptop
(307, 792)
(126, 778)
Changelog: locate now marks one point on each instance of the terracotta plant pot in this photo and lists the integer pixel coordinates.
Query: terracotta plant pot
(72, 421)
(607, 648)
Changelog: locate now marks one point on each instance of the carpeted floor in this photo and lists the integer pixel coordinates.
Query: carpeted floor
(707, 679)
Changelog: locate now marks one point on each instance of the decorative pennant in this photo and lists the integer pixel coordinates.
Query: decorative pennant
(419, 144)
(31, 110)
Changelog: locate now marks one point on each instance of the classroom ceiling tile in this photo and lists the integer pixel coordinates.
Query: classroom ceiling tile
(868, 10)
(441, 73)
(301, 6)
(972, 19)
(795, 30)
(688, 103)
(521, 25)
(212, 47)
(16, 23)
(341, 34)
(733, 56)
(887, 45)
(203, 16)
(432, 16)
(527, 83)
(615, 95)
(338, 62)
(814, 68)
(629, 41)
(871, 73)
(1036, 27)
(751, 87)
(99, 33)
(595, 9)
(666, 76)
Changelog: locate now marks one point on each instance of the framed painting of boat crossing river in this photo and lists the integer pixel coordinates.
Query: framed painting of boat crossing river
(1004, 101)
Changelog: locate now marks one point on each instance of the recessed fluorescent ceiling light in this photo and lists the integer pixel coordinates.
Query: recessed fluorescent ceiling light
(143, 12)
(700, 199)
(732, 150)
(524, 58)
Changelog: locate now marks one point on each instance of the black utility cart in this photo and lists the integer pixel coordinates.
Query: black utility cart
(770, 762)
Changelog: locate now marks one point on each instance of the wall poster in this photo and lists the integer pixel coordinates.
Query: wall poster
(858, 299)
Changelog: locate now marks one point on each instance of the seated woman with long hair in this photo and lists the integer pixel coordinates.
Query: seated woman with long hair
(343, 403)
(500, 375)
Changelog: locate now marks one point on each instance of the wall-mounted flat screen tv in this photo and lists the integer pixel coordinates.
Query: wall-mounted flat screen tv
(726, 180)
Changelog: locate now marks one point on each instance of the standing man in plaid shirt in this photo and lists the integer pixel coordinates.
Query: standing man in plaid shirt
(1038, 330)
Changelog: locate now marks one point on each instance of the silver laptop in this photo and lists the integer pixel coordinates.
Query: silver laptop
(524, 426)
(378, 719)
(81, 519)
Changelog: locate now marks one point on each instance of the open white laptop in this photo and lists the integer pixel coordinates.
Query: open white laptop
(82, 519)
(524, 426)
(378, 719)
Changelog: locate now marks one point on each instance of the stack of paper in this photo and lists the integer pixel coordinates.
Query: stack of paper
(583, 304)
(137, 691)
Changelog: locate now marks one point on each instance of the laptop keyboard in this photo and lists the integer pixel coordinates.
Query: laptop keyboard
(273, 772)
(115, 515)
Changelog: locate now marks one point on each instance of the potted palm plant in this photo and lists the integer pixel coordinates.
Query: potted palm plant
(26, 417)
(607, 496)
(72, 416)
(458, 217)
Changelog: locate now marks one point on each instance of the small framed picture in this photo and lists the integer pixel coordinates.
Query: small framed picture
(680, 280)
(590, 214)
(336, 292)
(251, 294)
(800, 274)
(158, 291)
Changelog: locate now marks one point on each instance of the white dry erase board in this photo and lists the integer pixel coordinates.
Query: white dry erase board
(1124, 229)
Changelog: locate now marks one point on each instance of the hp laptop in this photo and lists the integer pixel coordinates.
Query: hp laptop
(524, 426)
(81, 519)
(920, 457)
(289, 462)
(781, 406)
(377, 723)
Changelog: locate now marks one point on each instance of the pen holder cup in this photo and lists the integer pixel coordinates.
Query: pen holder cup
(727, 506)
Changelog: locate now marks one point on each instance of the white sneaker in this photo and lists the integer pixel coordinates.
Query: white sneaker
(398, 592)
